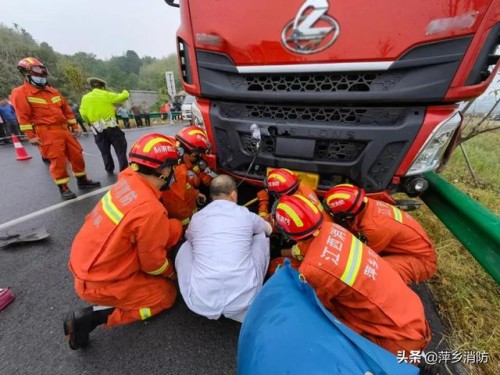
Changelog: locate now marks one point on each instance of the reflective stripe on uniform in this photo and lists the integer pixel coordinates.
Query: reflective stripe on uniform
(188, 185)
(32, 99)
(398, 215)
(72, 121)
(296, 252)
(160, 270)
(145, 313)
(185, 221)
(55, 99)
(353, 263)
(109, 208)
(62, 181)
(25, 127)
(79, 174)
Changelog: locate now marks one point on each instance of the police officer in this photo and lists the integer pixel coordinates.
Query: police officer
(97, 109)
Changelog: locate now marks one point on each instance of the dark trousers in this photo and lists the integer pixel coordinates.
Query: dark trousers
(112, 137)
(138, 121)
(147, 119)
(11, 127)
(126, 122)
(3, 135)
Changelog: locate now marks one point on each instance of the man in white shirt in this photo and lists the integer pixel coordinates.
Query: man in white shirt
(222, 265)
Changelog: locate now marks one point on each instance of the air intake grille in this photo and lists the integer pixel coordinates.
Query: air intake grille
(358, 115)
(324, 150)
(311, 82)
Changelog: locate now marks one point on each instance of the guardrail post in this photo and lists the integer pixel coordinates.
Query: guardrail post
(472, 224)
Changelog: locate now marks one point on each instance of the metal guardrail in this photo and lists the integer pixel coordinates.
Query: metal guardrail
(472, 224)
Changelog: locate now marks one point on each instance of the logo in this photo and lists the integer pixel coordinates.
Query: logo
(160, 149)
(312, 30)
(282, 219)
(338, 203)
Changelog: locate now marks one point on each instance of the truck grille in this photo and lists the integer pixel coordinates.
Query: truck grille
(311, 82)
(324, 150)
(358, 115)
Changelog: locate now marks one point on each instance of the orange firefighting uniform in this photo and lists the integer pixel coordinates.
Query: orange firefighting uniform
(363, 291)
(120, 256)
(44, 113)
(180, 198)
(195, 173)
(299, 250)
(399, 238)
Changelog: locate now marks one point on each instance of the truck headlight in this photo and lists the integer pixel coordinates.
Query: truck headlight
(197, 117)
(429, 157)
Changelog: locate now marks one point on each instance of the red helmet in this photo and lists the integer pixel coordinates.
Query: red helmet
(193, 139)
(155, 151)
(281, 181)
(32, 66)
(345, 199)
(297, 217)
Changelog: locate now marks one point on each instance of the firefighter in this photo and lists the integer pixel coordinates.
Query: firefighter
(121, 257)
(183, 198)
(390, 232)
(44, 116)
(98, 110)
(193, 143)
(279, 182)
(352, 281)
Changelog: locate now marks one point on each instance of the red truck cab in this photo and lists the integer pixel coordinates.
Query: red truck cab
(358, 91)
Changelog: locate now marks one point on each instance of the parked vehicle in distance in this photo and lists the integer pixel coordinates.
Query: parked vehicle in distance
(186, 108)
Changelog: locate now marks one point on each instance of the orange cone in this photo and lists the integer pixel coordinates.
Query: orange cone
(20, 151)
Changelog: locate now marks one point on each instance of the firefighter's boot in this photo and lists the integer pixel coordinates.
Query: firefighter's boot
(77, 327)
(84, 183)
(66, 193)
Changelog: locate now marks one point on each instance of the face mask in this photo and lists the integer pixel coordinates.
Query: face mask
(39, 81)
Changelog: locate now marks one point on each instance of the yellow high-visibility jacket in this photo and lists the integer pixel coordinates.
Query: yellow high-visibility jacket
(99, 104)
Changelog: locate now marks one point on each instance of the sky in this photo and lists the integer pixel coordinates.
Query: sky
(103, 27)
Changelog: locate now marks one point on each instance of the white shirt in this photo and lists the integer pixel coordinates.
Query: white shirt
(222, 264)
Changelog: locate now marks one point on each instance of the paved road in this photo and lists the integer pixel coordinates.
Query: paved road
(31, 336)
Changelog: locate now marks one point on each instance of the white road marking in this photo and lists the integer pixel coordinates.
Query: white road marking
(53, 208)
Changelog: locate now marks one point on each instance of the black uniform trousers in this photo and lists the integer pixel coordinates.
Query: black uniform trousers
(112, 137)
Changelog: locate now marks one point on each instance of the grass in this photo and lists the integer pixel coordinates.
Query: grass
(468, 299)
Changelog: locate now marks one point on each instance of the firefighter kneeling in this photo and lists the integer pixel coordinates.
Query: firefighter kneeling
(120, 257)
(390, 232)
(183, 198)
(352, 281)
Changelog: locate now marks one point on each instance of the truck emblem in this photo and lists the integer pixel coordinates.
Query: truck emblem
(312, 32)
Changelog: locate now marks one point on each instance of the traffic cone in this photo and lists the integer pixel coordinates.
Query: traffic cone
(20, 151)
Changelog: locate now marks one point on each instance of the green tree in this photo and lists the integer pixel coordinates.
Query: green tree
(75, 78)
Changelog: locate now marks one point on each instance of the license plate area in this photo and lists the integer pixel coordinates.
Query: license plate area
(295, 147)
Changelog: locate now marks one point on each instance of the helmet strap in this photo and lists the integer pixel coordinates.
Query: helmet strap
(169, 180)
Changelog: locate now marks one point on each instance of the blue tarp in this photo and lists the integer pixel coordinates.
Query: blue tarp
(288, 331)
